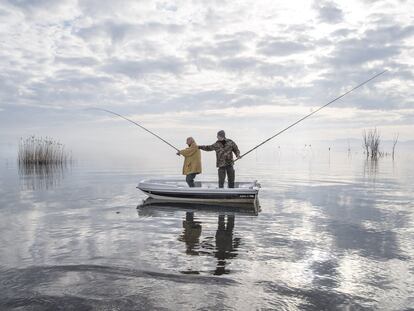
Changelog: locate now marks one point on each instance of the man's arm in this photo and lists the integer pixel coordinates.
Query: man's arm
(209, 147)
(236, 150)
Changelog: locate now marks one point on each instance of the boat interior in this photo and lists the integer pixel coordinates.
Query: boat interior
(179, 183)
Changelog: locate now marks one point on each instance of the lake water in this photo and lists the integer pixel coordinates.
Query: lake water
(334, 233)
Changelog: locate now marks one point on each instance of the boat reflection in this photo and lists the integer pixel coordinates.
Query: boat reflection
(223, 246)
(150, 207)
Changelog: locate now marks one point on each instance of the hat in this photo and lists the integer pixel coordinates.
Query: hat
(221, 133)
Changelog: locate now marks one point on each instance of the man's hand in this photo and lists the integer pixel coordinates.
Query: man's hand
(178, 153)
(238, 157)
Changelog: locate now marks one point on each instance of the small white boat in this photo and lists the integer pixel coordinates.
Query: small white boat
(175, 190)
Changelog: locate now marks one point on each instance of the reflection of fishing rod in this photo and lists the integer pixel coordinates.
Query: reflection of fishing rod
(145, 129)
(307, 116)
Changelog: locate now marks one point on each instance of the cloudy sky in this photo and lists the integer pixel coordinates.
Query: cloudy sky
(192, 67)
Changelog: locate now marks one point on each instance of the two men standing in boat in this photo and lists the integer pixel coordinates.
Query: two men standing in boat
(224, 149)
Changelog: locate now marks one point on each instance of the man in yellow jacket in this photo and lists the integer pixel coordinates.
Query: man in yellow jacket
(192, 161)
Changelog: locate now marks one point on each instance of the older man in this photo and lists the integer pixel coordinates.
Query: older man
(192, 161)
(224, 149)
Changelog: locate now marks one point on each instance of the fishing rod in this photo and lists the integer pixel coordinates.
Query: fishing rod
(307, 116)
(139, 125)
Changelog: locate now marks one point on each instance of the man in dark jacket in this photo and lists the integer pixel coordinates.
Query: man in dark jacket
(224, 149)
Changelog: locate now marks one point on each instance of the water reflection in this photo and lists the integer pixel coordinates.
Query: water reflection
(371, 167)
(151, 207)
(327, 239)
(226, 245)
(191, 234)
(353, 214)
(325, 273)
(223, 245)
(41, 176)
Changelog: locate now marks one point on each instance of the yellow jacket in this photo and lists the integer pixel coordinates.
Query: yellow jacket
(192, 161)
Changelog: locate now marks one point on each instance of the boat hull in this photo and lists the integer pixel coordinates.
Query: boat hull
(202, 197)
(168, 191)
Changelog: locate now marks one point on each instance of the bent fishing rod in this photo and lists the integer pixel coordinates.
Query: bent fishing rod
(312, 113)
(137, 124)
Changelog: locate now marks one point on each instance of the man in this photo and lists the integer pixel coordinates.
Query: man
(224, 149)
(192, 161)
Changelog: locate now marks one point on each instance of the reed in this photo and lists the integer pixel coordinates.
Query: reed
(372, 140)
(43, 150)
(394, 143)
(366, 142)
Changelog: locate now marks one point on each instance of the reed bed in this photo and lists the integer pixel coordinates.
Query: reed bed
(43, 150)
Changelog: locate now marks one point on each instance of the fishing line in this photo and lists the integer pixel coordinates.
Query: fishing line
(137, 124)
(312, 113)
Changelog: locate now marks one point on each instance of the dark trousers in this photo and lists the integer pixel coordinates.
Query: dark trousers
(222, 172)
(190, 179)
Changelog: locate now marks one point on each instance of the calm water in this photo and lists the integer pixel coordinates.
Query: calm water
(333, 233)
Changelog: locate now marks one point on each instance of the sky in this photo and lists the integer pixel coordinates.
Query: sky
(191, 68)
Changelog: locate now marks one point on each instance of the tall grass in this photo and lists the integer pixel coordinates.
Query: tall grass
(43, 150)
(372, 140)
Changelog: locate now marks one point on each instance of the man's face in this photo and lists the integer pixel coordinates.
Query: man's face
(188, 141)
(220, 138)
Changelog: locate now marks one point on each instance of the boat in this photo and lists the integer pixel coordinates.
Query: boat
(175, 190)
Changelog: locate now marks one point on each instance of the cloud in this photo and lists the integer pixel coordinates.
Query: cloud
(353, 52)
(167, 6)
(44, 11)
(328, 12)
(342, 32)
(389, 33)
(230, 47)
(138, 68)
(77, 61)
(239, 63)
(121, 31)
(170, 57)
(279, 46)
(124, 9)
(264, 118)
(380, 41)
(33, 5)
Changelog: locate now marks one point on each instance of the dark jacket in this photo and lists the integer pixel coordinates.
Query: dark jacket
(224, 151)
